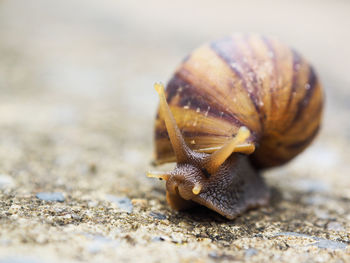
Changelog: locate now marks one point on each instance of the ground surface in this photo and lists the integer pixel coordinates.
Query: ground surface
(76, 120)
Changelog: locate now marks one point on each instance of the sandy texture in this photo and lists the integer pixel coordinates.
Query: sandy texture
(76, 121)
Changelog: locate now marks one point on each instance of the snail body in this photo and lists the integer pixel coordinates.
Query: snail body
(233, 107)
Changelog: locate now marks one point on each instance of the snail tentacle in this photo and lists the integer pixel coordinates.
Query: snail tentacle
(182, 151)
(197, 189)
(247, 148)
(159, 175)
(219, 157)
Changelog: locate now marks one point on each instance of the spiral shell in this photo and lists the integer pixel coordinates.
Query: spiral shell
(243, 80)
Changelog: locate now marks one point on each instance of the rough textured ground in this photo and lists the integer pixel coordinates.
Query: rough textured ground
(76, 120)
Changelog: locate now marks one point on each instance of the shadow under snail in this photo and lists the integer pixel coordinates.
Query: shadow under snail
(234, 107)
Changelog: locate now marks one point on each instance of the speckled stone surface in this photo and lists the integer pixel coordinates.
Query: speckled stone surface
(76, 121)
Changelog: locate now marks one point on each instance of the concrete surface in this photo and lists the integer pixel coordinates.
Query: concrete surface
(76, 120)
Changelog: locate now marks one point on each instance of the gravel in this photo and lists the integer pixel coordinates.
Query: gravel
(77, 108)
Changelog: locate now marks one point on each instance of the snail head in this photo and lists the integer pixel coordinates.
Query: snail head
(194, 171)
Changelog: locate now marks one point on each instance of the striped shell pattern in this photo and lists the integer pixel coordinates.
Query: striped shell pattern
(243, 80)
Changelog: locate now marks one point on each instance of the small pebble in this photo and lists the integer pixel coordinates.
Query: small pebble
(158, 239)
(89, 214)
(157, 215)
(250, 252)
(292, 234)
(67, 216)
(177, 238)
(335, 226)
(139, 202)
(330, 244)
(50, 197)
(14, 209)
(219, 257)
(100, 243)
(321, 243)
(213, 254)
(123, 203)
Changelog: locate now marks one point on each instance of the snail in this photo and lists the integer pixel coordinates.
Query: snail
(234, 107)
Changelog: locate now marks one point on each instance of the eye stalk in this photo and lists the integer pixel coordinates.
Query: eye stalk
(182, 151)
(220, 156)
(159, 175)
(197, 189)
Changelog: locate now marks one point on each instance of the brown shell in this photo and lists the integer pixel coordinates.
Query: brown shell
(244, 80)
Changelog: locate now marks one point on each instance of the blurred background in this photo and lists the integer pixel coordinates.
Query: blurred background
(66, 65)
(77, 102)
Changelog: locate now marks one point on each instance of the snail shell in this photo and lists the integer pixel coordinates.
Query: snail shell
(249, 89)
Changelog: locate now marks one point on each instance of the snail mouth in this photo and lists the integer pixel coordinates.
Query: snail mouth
(177, 202)
(184, 189)
(184, 192)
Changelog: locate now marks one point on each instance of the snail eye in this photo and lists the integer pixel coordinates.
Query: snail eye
(206, 173)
